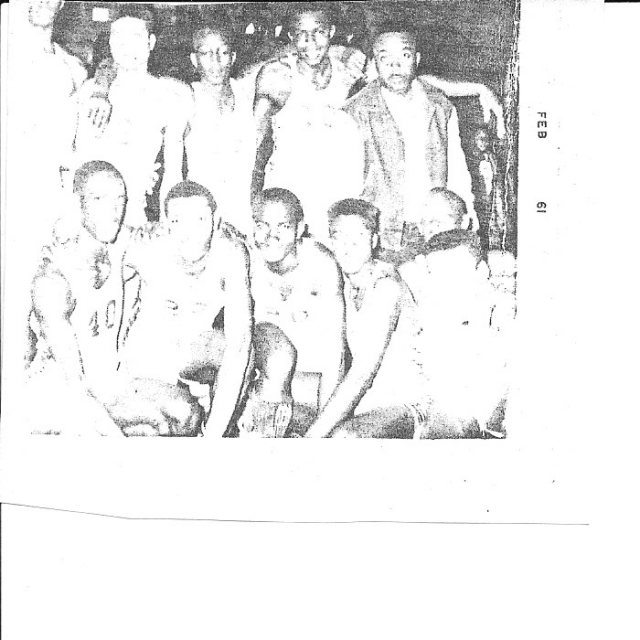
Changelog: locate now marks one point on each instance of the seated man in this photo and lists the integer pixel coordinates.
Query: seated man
(444, 210)
(296, 285)
(465, 357)
(148, 115)
(192, 271)
(411, 138)
(381, 395)
(77, 293)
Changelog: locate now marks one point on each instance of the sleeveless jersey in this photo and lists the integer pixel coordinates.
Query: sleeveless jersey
(291, 301)
(318, 152)
(400, 379)
(94, 275)
(221, 152)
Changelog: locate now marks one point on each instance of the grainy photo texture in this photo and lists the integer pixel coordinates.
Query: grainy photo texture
(263, 219)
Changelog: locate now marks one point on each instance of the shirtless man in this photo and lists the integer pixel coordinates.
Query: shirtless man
(297, 103)
(381, 396)
(297, 285)
(220, 139)
(148, 114)
(191, 271)
(77, 293)
(465, 349)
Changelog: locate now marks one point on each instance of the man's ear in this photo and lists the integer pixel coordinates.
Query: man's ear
(417, 59)
(233, 58)
(302, 227)
(332, 31)
(194, 60)
(152, 42)
(375, 241)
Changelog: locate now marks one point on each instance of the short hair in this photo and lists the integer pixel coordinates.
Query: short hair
(297, 9)
(220, 27)
(454, 238)
(88, 169)
(367, 212)
(457, 206)
(396, 25)
(189, 189)
(144, 13)
(282, 196)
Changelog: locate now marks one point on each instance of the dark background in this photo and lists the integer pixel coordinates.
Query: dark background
(458, 40)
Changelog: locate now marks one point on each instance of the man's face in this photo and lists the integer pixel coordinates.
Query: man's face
(352, 243)
(103, 201)
(396, 61)
(130, 43)
(190, 223)
(213, 58)
(275, 232)
(42, 13)
(311, 35)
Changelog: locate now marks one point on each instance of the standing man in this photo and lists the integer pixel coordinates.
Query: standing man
(149, 114)
(220, 138)
(411, 137)
(316, 151)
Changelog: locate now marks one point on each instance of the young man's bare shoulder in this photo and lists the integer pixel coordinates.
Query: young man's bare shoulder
(322, 261)
(232, 251)
(274, 79)
(51, 292)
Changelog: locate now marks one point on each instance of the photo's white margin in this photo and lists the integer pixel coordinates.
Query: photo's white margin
(535, 475)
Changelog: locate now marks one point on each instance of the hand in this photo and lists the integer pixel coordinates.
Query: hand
(99, 111)
(491, 107)
(354, 62)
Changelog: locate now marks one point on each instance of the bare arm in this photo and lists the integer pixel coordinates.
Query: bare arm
(382, 310)
(237, 333)
(53, 305)
(331, 323)
(273, 88)
(177, 116)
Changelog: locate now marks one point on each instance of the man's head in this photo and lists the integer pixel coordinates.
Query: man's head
(311, 27)
(353, 227)
(214, 53)
(447, 210)
(277, 224)
(396, 57)
(102, 195)
(189, 209)
(132, 38)
(42, 13)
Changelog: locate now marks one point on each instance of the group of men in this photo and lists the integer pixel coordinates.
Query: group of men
(266, 300)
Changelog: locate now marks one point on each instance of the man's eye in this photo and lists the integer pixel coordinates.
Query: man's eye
(407, 55)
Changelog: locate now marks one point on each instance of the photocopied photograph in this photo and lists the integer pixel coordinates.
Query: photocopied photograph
(262, 220)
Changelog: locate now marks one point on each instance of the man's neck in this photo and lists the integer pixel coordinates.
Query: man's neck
(319, 75)
(359, 279)
(130, 76)
(222, 94)
(289, 263)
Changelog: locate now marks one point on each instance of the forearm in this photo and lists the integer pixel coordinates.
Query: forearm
(229, 385)
(172, 168)
(456, 89)
(341, 405)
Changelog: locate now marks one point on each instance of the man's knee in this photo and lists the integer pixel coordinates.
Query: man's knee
(275, 354)
(185, 415)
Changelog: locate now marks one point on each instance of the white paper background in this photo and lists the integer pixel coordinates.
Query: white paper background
(78, 576)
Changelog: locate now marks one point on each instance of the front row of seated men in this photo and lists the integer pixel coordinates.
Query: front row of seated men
(183, 328)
